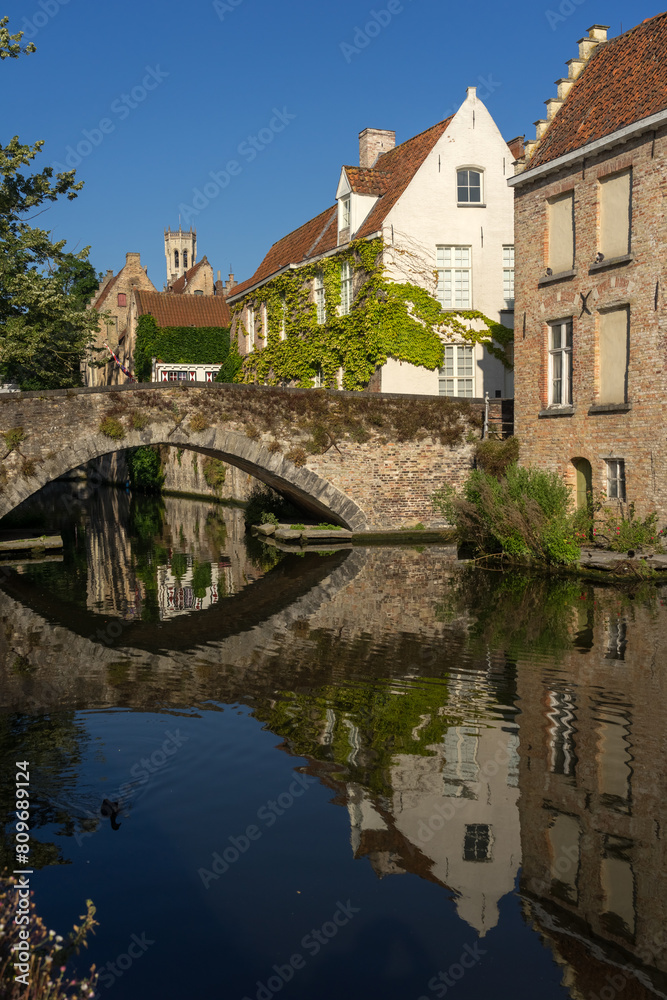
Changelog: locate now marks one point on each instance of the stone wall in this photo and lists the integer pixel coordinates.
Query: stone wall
(367, 462)
(635, 432)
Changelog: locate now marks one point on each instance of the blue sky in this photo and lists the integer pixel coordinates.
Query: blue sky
(171, 93)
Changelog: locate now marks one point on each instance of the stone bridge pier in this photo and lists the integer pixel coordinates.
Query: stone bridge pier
(365, 461)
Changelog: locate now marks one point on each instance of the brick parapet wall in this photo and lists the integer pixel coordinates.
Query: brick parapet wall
(639, 435)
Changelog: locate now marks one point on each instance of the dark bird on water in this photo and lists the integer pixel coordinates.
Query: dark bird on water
(110, 809)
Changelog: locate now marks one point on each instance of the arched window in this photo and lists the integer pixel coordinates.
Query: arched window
(185, 259)
(469, 187)
(176, 259)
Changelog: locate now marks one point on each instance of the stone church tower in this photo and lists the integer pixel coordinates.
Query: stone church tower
(180, 249)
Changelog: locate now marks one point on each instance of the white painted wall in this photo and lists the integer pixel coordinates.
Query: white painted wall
(427, 215)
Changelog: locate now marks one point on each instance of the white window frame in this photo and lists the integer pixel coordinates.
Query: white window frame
(454, 277)
(251, 327)
(466, 187)
(345, 288)
(318, 294)
(508, 276)
(457, 375)
(560, 363)
(345, 212)
(283, 317)
(615, 478)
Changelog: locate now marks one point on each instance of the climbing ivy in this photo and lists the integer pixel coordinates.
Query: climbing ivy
(386, 319)
(178, 345)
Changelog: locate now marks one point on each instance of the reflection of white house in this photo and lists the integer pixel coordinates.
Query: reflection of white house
(459, 809)
(177, 597)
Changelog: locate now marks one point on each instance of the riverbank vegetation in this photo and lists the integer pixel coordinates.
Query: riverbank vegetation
(528, 514)
(48, 977)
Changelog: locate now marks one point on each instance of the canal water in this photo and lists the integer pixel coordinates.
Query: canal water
(364, 773)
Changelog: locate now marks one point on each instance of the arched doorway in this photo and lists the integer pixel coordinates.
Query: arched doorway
(584, 481)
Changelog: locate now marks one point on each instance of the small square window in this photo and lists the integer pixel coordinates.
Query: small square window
(616, 478)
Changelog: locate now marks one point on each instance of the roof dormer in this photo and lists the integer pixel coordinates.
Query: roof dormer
(358, 190)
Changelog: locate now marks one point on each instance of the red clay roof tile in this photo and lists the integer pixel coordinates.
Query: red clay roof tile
(179, 285)
(183, 310)
(624, 81)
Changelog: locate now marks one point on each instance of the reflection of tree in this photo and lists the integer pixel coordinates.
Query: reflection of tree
(146, 526)
(514, 613)
(263, 557)
(363, 724)
(53, 746)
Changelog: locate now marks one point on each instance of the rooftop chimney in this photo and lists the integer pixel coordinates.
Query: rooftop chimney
(373, 142)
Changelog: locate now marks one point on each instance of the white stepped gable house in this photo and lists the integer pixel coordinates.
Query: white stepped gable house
(441, 204)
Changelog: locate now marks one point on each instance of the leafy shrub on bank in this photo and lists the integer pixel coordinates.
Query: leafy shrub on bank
(524, 515)
(495, 456)
(48, 976)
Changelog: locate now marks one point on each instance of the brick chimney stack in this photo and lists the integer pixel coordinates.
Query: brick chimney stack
(373, 142)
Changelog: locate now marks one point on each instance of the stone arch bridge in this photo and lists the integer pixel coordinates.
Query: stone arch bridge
(361, 460)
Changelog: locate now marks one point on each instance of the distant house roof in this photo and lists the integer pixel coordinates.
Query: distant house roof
(181, 283)
(624, 81)
(388, 179)
(183, 310)
(97, 304)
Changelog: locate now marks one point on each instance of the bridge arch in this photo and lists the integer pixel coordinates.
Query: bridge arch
(303, 486)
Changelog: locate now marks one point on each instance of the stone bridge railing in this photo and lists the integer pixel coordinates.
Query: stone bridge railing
(362, 460)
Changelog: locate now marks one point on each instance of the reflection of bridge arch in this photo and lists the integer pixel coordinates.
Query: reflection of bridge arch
(204, 647)
(303, 486)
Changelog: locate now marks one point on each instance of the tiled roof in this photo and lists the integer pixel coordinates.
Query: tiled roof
(311, 239)
(393, 170)
(367, 180)
(183, 310)
(179, 285)
(105, 291)
(624, 81)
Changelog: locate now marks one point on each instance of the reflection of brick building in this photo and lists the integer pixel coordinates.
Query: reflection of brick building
(592, 804)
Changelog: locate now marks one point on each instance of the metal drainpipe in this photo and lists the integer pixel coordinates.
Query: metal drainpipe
(485, 429)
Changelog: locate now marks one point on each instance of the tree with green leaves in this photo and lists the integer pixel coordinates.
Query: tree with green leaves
(45, 325)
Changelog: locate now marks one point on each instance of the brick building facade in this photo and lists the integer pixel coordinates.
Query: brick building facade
(590, 235)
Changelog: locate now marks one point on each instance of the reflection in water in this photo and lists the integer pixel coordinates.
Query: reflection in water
(481, 732)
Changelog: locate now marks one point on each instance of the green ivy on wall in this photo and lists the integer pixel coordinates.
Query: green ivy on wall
(178, 345)
(386, 319)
